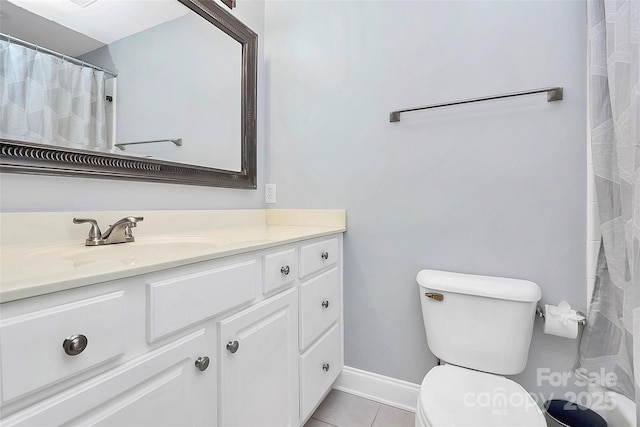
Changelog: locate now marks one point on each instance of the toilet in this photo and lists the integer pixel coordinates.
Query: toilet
(480, 328)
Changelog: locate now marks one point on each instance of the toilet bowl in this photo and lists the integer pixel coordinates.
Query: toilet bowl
(455, 396)
(481, 327)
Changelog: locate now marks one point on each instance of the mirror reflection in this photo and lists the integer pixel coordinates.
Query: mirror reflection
(161, 84)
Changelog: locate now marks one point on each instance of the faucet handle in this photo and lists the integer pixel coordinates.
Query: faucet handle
(95, 235)
(130, 223)
(134, 219)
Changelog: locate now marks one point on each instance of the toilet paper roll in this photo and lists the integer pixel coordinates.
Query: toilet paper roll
(561, 321)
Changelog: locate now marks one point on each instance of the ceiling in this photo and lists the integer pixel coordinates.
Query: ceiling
(69, 27)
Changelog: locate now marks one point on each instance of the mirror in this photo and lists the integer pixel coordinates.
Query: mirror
(181, 109)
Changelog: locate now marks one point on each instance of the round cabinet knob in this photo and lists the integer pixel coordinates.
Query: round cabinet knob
(325, 304)
(324, 255)
(202, 363)
(285, 270)
(75, 344)
(325, 367)
(232, 346)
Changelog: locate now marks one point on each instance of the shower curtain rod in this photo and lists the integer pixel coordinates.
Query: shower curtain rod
(60, 55)
(553, 94)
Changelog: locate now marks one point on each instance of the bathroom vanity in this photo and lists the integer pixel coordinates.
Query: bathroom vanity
(235, 323)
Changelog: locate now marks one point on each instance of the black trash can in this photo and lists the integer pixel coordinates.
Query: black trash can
(569, 414)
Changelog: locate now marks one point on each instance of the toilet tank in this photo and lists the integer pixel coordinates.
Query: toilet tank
(479, 322)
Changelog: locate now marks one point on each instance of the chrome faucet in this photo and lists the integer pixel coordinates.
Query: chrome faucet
(119, 232)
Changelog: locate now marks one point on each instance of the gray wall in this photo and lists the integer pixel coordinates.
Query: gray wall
(497, 188)
(46, 193)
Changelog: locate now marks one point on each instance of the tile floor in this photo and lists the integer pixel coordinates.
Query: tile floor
(341, 409)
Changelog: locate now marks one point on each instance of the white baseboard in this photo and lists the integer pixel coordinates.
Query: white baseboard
(387, 390)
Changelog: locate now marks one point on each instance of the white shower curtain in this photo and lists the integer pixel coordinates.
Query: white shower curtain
(49, 100)
(611, 340)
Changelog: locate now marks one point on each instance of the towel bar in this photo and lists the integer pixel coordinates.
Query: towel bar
(553, 94)
(177, 141)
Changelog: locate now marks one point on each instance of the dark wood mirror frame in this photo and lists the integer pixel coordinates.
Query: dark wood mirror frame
(33, 158)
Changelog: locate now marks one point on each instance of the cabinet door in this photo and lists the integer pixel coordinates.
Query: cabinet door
(160, 388)
(258, 364)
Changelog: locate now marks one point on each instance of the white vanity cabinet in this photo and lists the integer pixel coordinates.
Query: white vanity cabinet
(251, 339)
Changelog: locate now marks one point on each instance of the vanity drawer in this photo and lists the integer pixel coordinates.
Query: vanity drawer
(32, 345)
(182, 301)
(319, 368)
(317, 256)
(319, 305)
(280, 270)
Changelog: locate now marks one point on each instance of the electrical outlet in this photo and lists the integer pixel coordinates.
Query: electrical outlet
(269, 193)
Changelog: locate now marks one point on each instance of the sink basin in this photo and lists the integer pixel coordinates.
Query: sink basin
(144, 247)
(181, 239)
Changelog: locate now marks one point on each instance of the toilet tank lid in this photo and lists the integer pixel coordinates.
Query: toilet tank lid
(483, 286)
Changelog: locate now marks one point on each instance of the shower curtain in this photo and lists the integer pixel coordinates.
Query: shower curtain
(608, 343)
(48, 100)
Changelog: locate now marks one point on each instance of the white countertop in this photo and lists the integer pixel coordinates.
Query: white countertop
(44, 252)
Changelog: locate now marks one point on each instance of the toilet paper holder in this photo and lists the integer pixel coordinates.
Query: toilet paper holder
(540, 313)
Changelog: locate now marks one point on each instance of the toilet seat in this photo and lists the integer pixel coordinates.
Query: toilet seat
(452, 396)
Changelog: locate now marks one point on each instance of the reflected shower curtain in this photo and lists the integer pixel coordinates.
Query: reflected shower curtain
(608, 343)
(49, 100)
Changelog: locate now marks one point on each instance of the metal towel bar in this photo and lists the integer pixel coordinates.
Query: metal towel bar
(553, 94)
(122, 145)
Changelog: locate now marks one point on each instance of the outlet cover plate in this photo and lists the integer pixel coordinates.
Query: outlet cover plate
(269, 193)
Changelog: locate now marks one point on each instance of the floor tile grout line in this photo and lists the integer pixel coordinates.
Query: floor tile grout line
(379, 407)
(376, 415)
(322, 421)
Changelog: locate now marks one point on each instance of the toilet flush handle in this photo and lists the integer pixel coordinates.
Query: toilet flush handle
(434, 295)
